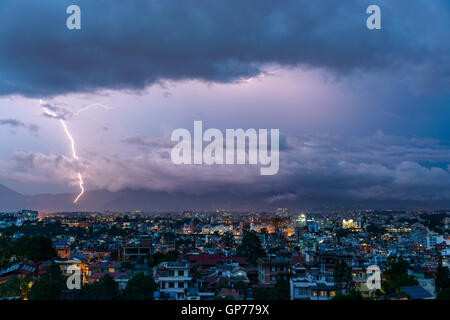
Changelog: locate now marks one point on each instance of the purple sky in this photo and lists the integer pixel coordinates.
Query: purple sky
(362, 115)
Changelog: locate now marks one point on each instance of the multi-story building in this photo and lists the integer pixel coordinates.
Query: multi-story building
(68, 266)
(272, 268)
(282, 212)
(432, 240)
(350, 224)
(137, 249)
(307, 287)
(27, 215)
(62, 249)
(173, 278)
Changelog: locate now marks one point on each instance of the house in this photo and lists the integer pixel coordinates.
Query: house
(272, 268)
(62, 249)
(307, 287)
(21, 270)
(105, 267)
(195, 294)
(68, 265)
(137, 249)
(173, 278)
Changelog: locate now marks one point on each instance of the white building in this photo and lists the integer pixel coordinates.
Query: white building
(432, 240)
(307, 287)
(173, 278)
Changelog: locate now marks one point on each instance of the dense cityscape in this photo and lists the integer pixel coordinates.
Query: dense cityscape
(191, 255)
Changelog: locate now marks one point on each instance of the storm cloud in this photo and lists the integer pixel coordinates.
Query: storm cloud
(33, 128)
(315, 167)
(142, 43)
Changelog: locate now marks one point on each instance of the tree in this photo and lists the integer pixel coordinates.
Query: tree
(35, 248)
(352, 295)
(228, 241)
(279, 292)
(158, 257)
(15, 287)
(261, 294)
(250, 247)
(373, 228)
(396, 275)
(49, 286)
(343, 280)
(444, 294)
(140, 287)
(442, 280)
(104, 289)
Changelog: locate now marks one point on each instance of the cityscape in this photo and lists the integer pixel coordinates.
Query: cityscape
(223, 255)
(218, 159)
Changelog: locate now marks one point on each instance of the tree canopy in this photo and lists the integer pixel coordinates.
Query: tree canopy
(140, 287)
(250, 247)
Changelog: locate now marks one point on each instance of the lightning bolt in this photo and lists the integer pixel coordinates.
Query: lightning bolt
(91, 106)
(72, 144)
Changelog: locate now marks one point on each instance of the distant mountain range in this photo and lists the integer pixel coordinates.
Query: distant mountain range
(152, 201)
(127, 200)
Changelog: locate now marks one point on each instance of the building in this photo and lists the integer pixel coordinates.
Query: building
(432, 240)
(312, 225)
(27, 215)
(301, 221)
(272, 268)
(282, 212)
(62, 249)
(105, 267)
(350, 224)
(137, 249)
(173, 278)
(68, 265)
(307, 287)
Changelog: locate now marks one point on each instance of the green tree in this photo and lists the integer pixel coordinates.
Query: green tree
(140, 287)
(104, 289)
(158, 257)
(444, 294)
(15, 287)
(373, 228)
(250, 247)
(228, 241)
(261, 294)
(342, 275)
(279, 292)
(352, 295)
(37, 248)
(442, 280)
(49, 286)
(396, 275)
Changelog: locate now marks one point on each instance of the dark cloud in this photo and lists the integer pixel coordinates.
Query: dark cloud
(147, 142)
(33, 128)
(316, 169)
(134, 44)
